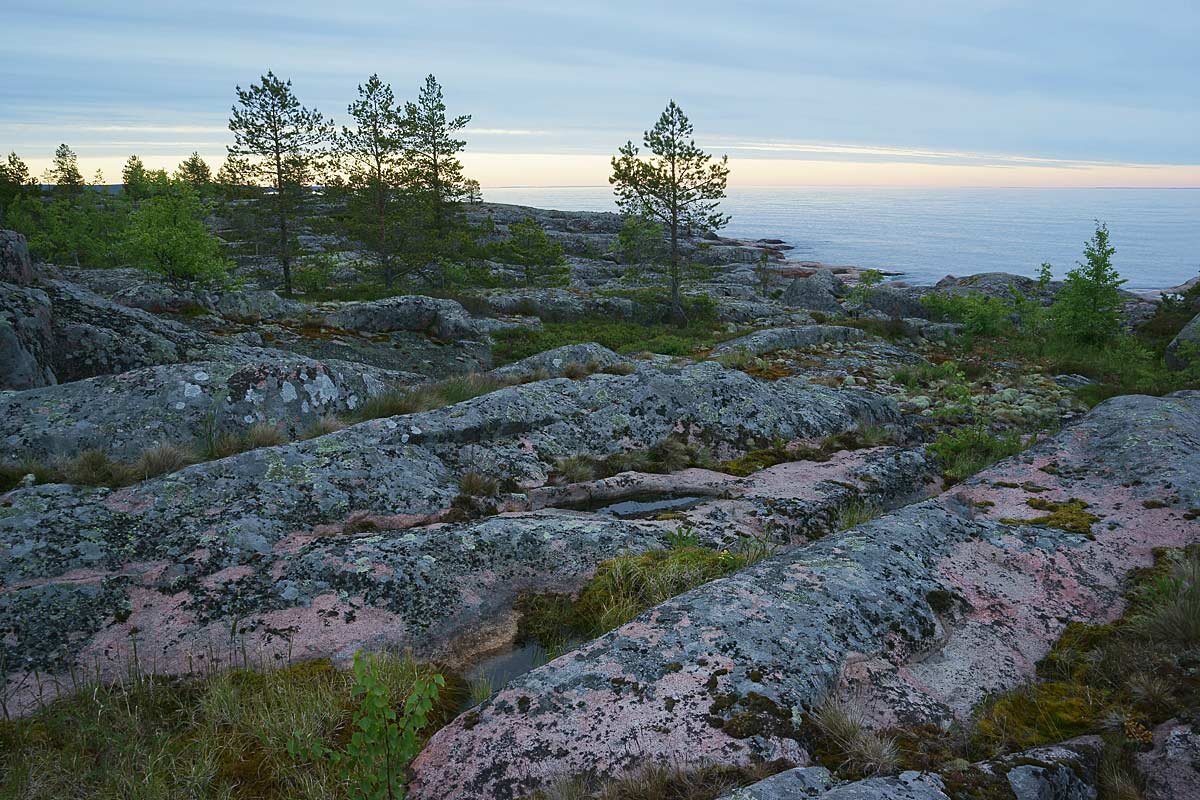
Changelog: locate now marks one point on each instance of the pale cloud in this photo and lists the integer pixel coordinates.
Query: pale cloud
(876, 92)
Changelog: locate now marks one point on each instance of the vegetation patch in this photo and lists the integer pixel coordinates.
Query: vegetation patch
(234, 734)
(427, 397)
(1118, 680)
(967, 450)
(621, 336)
(781, 453)
(624, 587)
(1068, 515)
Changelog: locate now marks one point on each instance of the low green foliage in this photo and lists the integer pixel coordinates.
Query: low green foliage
(781, 453)
(226, 734)
(619, 335)
(967, 450)
(373, 763)
(979, 314)
(625, 586)
(539, 257)
(657, 781)
(1118, 679)
(866, 281)
(1068, 515)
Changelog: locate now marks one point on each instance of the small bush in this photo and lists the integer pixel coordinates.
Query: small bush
(576, 370)
(577, 469)
(263, 434)
(398, 401)
(93, 467)
(374, 761)
(846, 741)
(475, 484)
(325, 425)
(965, 451)
(12, 473)
(159, 460)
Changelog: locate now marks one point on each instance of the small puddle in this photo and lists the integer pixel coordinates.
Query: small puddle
(637, 507)
(494, 673)
(503, 667)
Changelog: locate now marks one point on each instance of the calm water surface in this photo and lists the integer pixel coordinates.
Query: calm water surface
(930, 233)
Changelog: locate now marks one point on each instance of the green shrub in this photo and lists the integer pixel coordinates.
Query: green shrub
(167, 234)
(373, 763)
(1087, 310)
(965, 451)
(979, 314)
(625, 586)
(540, 257)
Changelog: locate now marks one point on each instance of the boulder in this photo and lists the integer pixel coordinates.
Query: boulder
(997, 284)
(26, 338)
(96, 336)
(258, 304)
(15, 266)
(445, 319)
(1171, 769)
(181, 404)
(818, 292)
(894, 303)
(181, 556)
(921, 613)
(1184, 349)
(773, 339)
(1061, 772)
(553, 362)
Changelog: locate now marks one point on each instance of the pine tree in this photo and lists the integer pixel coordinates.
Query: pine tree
(135, 178)
(1087, 309)
(678, 185)
(15, 182)
(282, 142)
(64, 173)
(372, 154)
(434, 174)
(195, 171)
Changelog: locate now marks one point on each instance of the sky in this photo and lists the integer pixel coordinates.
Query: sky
(866, 92)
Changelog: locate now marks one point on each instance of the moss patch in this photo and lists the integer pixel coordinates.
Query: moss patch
(1068, 516)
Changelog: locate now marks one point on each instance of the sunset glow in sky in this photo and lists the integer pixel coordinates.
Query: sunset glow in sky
(876, 92)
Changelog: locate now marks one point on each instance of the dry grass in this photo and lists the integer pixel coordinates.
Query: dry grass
(860, 752)
(159, 460)
(263, 434)
(325, 425)
(427, 397)
(476, 484)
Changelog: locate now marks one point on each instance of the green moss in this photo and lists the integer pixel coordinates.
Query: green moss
(1039, 714)
(1068, 516)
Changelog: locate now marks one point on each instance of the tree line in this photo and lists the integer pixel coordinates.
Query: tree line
(390, 179)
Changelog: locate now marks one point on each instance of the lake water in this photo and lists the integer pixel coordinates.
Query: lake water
(930, 233)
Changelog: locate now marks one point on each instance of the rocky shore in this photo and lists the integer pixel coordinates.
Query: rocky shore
(380, 475)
